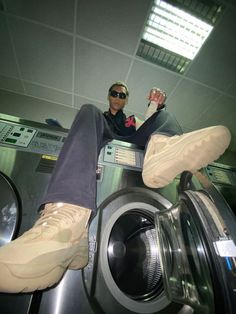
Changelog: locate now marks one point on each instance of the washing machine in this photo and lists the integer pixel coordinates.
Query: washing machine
(169, 250)
(27, 156)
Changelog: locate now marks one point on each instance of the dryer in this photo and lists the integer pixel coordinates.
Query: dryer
(129, 260)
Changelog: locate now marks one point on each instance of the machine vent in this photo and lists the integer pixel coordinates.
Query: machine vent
(45, 165)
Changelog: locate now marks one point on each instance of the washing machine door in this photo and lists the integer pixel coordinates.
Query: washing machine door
(9, 210)
(128, 274)
(197, 254)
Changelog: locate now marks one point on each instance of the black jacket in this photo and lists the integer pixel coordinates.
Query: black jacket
(119, 124)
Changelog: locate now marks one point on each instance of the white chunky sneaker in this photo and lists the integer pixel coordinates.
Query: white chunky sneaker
(39, 258)
(166, 157)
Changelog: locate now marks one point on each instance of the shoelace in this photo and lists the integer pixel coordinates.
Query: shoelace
(52, 217)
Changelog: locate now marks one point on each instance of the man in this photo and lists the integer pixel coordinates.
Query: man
(59, 239)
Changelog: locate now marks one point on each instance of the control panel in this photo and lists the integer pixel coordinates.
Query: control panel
(16, 134)
(45, 140)
(31, 139)
(117, 154)
(221, 175)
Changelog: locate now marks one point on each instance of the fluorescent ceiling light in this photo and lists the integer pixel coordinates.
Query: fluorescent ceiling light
(176, 30)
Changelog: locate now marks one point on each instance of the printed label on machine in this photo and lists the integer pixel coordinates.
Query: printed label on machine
(226, 248)
(120, 156)
(16, 134)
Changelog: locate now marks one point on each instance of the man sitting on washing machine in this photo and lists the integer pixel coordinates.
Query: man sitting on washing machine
(59, 239)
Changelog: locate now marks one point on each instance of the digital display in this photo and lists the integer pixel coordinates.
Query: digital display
(16, 134)
(221, 175)
(10, 140)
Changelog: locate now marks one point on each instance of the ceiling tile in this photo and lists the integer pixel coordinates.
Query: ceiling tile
(224, 109)
(112, 23)
(8, 64)
(35, 109)
(231, 90)
(79, 101)
(222, 112)
(44, 55)
(11, 84)
(48, 94)
(96, 69)
(143, 76)
(216, 63)
(189, 103)
(57, 13)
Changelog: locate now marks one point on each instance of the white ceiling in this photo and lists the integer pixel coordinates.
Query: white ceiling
(69, 52)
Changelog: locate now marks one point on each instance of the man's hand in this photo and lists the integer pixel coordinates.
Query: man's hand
(157, 96)
(156, 99)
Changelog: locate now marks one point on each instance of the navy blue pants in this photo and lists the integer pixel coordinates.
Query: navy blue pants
(74, 176)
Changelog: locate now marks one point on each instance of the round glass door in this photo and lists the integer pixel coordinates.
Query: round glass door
(129, 256)
(184, 255)
(133, 256)
(9, 210)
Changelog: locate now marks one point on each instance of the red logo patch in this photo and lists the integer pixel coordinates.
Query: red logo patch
(130, 121)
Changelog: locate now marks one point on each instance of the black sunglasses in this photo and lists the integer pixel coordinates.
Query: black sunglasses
(115, 94)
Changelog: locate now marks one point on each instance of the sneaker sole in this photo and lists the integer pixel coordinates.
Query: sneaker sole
(80, 260)
(17, 283)
(186, 154)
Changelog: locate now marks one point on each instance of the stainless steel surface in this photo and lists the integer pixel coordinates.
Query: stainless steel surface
(23, 181)
(224, 179)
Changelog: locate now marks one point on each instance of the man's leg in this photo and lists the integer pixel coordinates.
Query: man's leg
(161, 122)
(74, 177)
(59, 239)
(169, 152)
(166, 157)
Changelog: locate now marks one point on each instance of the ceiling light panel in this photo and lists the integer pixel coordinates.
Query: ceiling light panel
(176, 30)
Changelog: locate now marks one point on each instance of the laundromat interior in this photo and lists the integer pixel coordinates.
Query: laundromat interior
(151, 251)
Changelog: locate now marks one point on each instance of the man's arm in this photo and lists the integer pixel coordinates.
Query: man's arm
(156, 99)
(138, 122)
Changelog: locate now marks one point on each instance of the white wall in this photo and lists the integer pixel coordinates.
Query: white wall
(35, 109)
